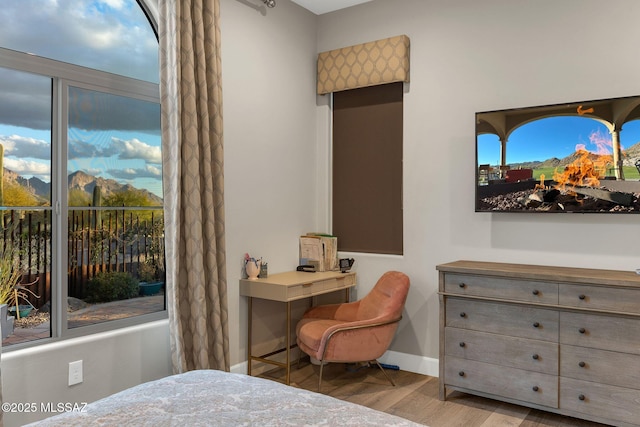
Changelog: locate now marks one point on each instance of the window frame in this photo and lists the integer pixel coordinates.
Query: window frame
(64, 75)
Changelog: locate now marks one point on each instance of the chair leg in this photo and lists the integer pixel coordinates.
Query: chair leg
(320, 376)
(383, 371)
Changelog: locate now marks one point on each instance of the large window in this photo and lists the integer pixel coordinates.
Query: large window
(81, 177)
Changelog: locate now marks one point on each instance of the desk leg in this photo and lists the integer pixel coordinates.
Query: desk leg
(288, 342)
(249, 331)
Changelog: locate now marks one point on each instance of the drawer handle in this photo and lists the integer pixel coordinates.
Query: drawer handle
(582, 364)
(306, 285)
(536, 292)
(462, 285)
(582, 296)
(462, 344)
(582, 397)
(461, 373)
(535, 388)
(582, 330)
(535, 357)
(463, 314)
(536, 325)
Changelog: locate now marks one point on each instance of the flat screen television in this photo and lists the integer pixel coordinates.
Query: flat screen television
(578, 157)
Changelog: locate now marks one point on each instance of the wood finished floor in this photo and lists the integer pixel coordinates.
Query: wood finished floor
(415, 397)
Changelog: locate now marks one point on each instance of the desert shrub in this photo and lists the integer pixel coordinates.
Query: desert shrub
(111, 286)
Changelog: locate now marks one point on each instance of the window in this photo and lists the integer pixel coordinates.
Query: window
(81, 193)
(367, 169)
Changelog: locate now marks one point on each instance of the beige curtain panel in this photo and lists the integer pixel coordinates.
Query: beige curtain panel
(193, 179)
(374, 63)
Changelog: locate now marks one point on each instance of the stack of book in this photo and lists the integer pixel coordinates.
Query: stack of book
(319, 250)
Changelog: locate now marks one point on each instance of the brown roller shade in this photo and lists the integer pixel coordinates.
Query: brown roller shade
(368, 64)
(367, 169)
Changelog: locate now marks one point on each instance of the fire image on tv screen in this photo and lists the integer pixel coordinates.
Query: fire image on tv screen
(581, 157)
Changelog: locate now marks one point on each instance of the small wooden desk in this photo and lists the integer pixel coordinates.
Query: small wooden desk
(288, 287)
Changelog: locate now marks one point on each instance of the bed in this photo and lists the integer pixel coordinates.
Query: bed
(216, 398)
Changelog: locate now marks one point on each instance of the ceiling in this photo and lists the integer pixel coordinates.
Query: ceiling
(324, 6)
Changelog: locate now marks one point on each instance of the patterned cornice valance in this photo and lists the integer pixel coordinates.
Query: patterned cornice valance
(368, 64)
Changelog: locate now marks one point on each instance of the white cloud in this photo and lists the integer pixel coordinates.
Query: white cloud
(25, 167)
(154, 171)
(132, 149)
(136, 149)
(114, 4)
(93, 171)
(130, 173)
(22, 146)
(81, 149)
(109, 35)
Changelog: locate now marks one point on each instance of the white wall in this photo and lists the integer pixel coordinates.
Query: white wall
(268, 72)
(112, 361)
(468, 56)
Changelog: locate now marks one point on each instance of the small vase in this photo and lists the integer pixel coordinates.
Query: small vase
(253, 269)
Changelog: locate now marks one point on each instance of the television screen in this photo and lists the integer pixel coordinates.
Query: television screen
(576, 157)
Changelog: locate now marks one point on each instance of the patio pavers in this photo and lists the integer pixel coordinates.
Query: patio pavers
(95, 313)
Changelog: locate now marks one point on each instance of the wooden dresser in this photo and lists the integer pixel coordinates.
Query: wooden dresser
(565, 340)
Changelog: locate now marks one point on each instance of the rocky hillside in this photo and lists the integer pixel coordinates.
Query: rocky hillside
(76, 181)
(630, 156)
(86, 183)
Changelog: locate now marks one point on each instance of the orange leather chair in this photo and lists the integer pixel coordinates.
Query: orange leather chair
(359, 331)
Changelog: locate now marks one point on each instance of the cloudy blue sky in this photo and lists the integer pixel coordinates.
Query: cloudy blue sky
(119, 139)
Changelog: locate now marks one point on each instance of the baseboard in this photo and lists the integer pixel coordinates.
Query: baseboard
(412, 363)
(239, 368)
(406, 362)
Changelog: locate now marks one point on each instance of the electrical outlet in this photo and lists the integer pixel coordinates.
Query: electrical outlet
(75, 372)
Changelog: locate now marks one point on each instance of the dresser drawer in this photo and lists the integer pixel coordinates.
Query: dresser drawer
(600, 331)
(504, 319)
(599, 400)
(601, 366)
(521, 353)
(600, 298)
(503, 288)
(525, 386)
